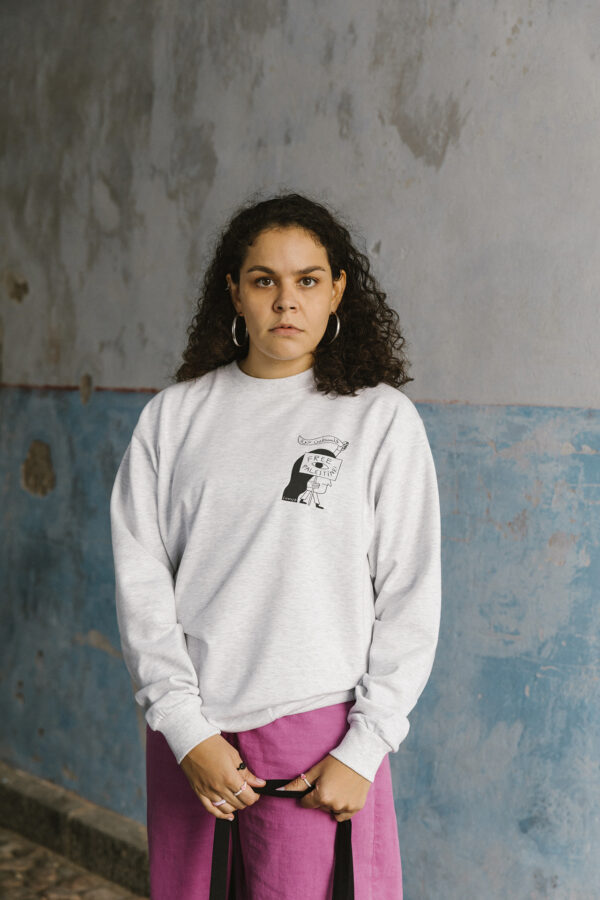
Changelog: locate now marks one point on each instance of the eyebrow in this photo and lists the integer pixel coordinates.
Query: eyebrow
(272, 271)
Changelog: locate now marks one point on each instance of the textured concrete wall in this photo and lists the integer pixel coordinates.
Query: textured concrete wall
(462, 141)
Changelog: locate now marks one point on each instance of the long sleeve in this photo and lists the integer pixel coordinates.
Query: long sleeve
(152, 640)
(405, 564)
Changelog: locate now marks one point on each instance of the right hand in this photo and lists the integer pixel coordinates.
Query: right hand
(211, 769)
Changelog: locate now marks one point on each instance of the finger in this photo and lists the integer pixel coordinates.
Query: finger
(342, 817)
(313, 799)
(228, 794)
(224, 811)
(232, 803)
(245, 797)
(251, 777)
(298, 784)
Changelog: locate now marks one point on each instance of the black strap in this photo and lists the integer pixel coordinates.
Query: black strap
(343, 876)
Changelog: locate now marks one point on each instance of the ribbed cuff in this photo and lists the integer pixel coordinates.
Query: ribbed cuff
(185, 727)
(362, 750)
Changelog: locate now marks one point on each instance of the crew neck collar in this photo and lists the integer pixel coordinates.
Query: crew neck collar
(302, 381)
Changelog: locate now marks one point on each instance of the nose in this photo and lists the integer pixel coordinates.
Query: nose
(285, 300)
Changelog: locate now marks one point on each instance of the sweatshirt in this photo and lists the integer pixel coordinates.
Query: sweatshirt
(277, 550)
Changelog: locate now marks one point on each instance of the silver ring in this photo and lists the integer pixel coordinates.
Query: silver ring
(240, 790)
(218, 802)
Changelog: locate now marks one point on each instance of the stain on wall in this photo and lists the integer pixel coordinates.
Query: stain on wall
(425, 123)
(16, 286)
(85, 387)
(37, 472)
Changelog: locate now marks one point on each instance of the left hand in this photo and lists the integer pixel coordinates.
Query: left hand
(338, 789)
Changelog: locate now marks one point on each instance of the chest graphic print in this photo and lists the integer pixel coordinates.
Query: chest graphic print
(315, 470)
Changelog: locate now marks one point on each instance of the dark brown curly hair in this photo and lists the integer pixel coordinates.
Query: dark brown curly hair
(368, 348)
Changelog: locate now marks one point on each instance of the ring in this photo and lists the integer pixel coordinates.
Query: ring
(304, 778)
(218, 802)
(240, 790)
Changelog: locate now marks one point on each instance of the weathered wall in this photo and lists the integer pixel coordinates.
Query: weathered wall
(462, 140)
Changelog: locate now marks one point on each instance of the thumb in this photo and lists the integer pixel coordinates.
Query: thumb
(299, 784)
(251, 778)
(312, 799)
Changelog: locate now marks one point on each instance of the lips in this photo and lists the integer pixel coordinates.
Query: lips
(285, 328)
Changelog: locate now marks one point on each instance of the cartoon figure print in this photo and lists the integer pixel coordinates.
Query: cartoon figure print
(315, 470)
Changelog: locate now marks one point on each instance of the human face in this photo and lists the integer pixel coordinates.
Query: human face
(285, 277)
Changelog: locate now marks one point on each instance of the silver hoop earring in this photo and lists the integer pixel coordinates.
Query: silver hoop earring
(337, 330)
(233, 324)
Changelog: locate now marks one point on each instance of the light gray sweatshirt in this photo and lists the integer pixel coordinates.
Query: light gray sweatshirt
(277, 550)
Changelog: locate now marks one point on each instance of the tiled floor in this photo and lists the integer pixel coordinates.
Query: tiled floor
(29, 871)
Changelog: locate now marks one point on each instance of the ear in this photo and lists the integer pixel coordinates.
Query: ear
(234, 294)
(339, 286)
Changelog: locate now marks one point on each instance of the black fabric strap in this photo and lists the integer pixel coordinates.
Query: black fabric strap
(343, 876)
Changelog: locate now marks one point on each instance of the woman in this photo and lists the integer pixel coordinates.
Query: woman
(276, 536)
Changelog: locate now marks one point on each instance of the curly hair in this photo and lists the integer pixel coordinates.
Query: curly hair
(368, 349)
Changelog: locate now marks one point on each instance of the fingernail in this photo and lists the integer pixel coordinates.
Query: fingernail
(263, 780)
(281, 788)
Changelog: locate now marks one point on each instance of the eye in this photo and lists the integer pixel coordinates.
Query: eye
(268, 278)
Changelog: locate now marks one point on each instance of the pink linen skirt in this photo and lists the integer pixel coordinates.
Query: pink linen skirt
(287, 850)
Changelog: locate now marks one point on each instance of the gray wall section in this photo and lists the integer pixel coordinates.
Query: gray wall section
(461, 140)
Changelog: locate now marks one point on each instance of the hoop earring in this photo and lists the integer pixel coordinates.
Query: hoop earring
(233, 324)
(337, 330)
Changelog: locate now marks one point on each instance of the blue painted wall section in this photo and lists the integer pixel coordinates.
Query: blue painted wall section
(497, 781)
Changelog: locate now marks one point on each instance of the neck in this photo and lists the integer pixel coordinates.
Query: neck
(266, 367)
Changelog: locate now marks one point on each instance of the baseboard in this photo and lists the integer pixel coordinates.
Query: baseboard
(92, 836)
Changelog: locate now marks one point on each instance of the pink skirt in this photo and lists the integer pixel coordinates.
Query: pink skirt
(287, 850)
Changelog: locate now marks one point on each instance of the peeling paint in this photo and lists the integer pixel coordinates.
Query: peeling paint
(518, 526)
(426, 123)
(85, 387)
(543, 439)
(37, 473)
(227, 31)
(327, 54)
(98, 640)
(429, 131)
(534, 496)
(560, 545)
(105, 206)
(344, 115)
(16, 285)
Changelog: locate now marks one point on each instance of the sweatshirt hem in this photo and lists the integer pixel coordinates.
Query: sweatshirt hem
(361, 750)
(257, 718)
(185, 727)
